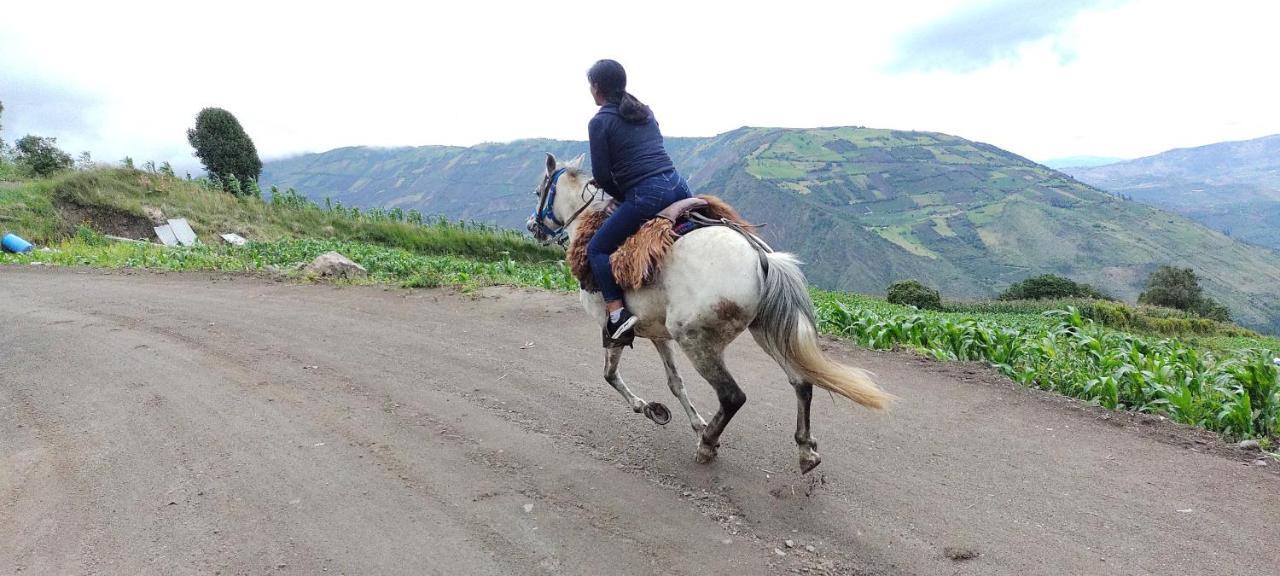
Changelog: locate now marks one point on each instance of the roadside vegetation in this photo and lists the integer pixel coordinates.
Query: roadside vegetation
(1226, 382)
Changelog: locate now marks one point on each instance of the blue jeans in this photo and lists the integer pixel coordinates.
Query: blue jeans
(640, 204)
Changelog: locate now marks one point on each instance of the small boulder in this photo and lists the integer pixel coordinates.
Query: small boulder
(1249, 445)
(155, 215)
(335, 265)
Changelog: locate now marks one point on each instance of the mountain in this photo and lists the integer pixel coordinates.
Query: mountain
(1080, 161)
(1233, 187)
(865, 207)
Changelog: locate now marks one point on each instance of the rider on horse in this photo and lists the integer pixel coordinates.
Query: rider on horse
(629, 162)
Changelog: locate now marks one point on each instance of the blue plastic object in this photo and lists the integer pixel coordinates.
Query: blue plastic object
(12, 243)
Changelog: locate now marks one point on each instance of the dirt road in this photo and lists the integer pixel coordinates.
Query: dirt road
(176, 424)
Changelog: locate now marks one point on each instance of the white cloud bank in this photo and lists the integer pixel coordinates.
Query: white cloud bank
(1043, 79)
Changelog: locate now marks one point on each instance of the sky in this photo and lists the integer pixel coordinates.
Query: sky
(1042, 78)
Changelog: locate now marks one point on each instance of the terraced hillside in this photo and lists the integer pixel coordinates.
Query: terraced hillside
(864, 207)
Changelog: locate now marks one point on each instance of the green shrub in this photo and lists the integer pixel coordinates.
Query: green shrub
(913, 293)
(89, 236)
(1179, 288)
(1050, 286)
(41, 155)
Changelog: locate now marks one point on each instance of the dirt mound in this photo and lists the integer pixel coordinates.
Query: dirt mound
(106, 221)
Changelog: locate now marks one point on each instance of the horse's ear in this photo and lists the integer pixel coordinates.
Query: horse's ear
(577, 162)
(551, 163)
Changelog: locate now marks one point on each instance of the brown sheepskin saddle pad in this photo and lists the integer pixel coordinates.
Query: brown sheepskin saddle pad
(641, 257)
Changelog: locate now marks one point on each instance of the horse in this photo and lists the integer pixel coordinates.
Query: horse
(714, 284)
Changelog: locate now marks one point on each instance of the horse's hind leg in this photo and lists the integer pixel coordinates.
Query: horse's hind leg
(808, 445)
(613, 356)
(708, 357)
(677, 384)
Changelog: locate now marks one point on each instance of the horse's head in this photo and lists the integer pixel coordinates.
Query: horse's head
(562, 196)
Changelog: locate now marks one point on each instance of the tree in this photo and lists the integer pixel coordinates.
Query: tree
(1180, 288)
(166, 169)
(1172, 288)
(223, 146)
(1211, 309)
(84, 161)
(127, 162)
(41, 155)
(1050, 287)
(913, 293)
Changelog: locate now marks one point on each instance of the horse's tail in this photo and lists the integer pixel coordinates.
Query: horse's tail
(785, 325)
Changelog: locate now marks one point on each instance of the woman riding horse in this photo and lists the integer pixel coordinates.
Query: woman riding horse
(629, 162)
(715, 283)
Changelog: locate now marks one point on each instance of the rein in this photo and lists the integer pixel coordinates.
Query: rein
(546, 210)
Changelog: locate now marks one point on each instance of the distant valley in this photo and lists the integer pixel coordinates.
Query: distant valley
(1232, 187)
(864, 207)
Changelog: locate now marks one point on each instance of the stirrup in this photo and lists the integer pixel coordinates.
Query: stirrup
(627, 340)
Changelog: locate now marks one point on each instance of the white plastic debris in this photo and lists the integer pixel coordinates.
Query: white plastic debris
(182, 230)
(234, 239)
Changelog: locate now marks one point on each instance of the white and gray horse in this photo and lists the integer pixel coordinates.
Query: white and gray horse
(714, 285)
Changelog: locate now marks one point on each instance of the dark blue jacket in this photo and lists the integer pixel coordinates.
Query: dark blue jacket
(623, 153)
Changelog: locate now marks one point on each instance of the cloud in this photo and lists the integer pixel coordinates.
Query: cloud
(976, 37)
(36, 106)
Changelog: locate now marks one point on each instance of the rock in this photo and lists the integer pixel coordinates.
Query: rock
(790, 543)
(959, 554)
(1249, 445)
(335, 265)
(155, 215)
(810, 548)
(779, 552)
(528, 508)
(1259, 462)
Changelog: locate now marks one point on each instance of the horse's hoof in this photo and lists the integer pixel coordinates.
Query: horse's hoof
(809, 461)
(658, 413)
(705, 454)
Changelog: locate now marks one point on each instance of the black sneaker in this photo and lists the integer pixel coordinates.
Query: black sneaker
(622, 328)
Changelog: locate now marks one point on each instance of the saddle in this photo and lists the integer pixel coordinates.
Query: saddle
(641, 256)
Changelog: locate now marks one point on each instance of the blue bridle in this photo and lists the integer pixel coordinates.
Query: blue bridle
(547, 210)
(537, 223)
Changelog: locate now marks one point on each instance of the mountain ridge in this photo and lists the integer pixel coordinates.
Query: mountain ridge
(1233, 187)
(865, 207)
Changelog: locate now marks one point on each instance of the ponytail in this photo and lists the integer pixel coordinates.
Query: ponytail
(633, 110)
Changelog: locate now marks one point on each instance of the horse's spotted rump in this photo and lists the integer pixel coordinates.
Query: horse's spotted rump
(729, 311)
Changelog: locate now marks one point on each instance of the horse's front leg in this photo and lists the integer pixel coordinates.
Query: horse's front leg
(676, 383)
(612, 357)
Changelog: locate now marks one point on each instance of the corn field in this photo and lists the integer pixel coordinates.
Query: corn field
(1236, 395)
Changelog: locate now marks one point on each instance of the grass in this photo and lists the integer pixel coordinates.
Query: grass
(385, 264)
(26, 209)
(46, 211)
